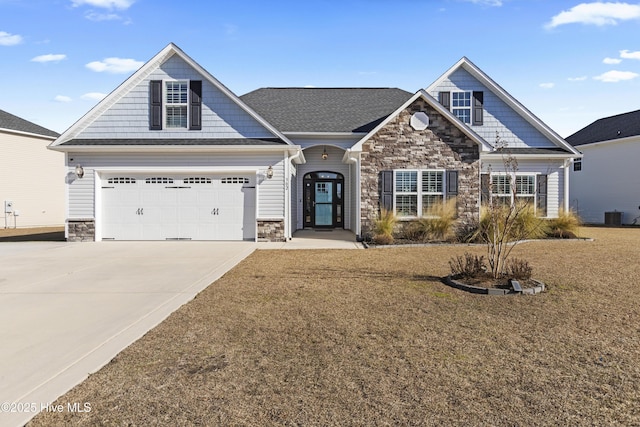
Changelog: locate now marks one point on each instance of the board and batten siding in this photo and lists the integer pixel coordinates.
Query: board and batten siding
(314, 163)
(33, 178)
(498, 117)
(270, 192)
(555, 178)
(129, 117)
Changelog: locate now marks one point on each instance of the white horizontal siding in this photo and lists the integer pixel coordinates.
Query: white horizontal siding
(608, 182)
(32, 177)
(270, 191)
(499, 118)
(129, 117)
(555, 178)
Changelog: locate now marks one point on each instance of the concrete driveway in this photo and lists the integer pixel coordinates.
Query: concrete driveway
(66, 309)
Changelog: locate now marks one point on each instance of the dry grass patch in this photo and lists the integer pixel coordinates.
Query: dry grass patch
(31, 234)
(374, 338)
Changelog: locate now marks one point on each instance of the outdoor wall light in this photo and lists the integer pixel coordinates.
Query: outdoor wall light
(325, 156)
(270, 172)
(79, 171)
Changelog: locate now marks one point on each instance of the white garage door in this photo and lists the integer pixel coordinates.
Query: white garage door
(169, 207)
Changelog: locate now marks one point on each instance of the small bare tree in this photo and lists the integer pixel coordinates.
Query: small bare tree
(505, 221)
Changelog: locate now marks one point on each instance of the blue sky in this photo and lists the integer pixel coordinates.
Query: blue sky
(569, 62)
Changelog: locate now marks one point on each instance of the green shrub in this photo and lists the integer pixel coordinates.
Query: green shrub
(565, 226)
(383, 227)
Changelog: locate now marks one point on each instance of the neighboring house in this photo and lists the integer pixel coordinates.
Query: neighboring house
(604, 186)
(32, 184)
(174, 154)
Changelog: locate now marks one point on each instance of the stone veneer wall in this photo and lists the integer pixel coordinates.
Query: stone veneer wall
(81, 230)
(441, 146)
(271, 230)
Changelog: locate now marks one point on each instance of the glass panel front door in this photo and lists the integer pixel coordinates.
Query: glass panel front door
(324, 203)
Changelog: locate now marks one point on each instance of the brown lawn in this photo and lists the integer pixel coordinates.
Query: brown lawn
(32, 234)
(373, 337)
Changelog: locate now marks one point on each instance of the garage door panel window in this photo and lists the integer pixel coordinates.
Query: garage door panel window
(196, 180)
(159, 180)
(121, 180)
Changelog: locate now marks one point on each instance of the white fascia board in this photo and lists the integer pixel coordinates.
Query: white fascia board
(628, 139)
(439, 108)
(29, 134)
(515, 105)
(498, 156)
(240, 149)
(142, 73)
(323, 135)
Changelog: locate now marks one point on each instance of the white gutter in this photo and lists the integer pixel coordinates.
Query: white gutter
(171, 148)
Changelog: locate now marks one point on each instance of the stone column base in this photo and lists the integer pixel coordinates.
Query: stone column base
(81, 230)
(271, 230)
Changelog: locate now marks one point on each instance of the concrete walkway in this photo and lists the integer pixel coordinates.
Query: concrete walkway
(317, 239)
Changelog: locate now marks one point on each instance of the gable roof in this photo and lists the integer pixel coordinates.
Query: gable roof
(515, 105)
(325, 110)
(438, 107)
(142, 73)
(14, 123)
(608, 128)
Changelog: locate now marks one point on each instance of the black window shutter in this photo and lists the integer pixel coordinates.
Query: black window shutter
(478, 106)
(485, 190)
(445, 99)
(195, 105)
(386, 190)
(541, 189)
(155, 105)
(452, 183)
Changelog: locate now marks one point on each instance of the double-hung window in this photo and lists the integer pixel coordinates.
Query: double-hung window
(505, 191)
(416, 192)
(176, 104)
(461, 106)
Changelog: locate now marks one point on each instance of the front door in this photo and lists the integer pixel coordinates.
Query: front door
(323, 200)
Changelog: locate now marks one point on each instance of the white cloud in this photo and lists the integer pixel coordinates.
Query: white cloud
(115, 65)
(614, 76)
(629, 55)
(611, 61)
(62, 98)
(93, 96)
(106, 4)
(49, 58)
(94, 16)
(547, 85)
(7, 39)
(486, 2)
(596, 13)
(577, 79)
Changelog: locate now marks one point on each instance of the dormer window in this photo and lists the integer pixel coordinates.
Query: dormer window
(175, 104)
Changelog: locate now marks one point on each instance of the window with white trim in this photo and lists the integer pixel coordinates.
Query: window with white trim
(524, 189)
(461, 106)
(577, 165)
(417, 191)
(176, 98)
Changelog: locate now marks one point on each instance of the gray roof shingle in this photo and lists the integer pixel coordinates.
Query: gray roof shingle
(608, 128)
(9, 121)
(325, 109)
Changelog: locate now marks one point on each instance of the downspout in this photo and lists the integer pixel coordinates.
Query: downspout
(289, 223)
(567, 163)
(353, 157)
